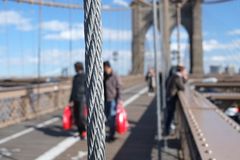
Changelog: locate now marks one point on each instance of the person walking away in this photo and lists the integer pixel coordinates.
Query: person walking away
(175, 84)
(78, 100)
(150, 80)
(112, 94)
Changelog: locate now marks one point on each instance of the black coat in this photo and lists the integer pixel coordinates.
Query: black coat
(78, 88)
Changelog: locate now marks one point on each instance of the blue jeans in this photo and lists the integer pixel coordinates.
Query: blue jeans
(110, 113)
(171, 107)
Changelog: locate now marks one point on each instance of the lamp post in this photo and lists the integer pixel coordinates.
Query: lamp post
(178, 22)
(115, 59)
(156, 53)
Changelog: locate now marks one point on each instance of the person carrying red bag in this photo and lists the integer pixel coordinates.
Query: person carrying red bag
(112, 94)
(78, 100)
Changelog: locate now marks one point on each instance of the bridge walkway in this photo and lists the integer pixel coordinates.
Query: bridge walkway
(44, 138)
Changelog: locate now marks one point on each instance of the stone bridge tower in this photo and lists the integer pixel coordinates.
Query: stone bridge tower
(142, 20)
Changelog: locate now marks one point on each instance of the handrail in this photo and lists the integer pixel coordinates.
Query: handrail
(223, 96)
(20, 103)
(36, 89)
(218, 84)
(215, 135)
(25, 102)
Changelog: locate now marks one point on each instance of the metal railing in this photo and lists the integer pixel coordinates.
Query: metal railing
(24, 103)
(205, 132)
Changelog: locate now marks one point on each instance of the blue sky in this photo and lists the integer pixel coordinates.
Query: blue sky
(19, 37)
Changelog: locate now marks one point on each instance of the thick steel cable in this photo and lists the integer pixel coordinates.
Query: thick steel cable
(70, 44)
(216, 1)
(94, 80)
(65, 5)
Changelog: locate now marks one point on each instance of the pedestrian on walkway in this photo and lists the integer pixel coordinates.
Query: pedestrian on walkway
(78, 100)
(175, 84)
(112, 94)
(150, 78)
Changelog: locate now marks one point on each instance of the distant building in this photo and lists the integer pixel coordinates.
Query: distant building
(215, 69)
(230, 70)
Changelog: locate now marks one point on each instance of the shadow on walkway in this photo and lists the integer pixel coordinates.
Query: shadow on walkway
(55, 130)
(141, 141)
(169, 149)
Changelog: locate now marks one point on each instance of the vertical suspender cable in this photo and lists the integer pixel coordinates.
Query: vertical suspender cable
(164, 28)
(39, 53)
(122, 50)
(122, 58)
(21, 53)
(39, 41)
(7, 41)
(163, 14)
(155, 21)
(164, 23)
(94, 79)
(70, 40)
(178, 8)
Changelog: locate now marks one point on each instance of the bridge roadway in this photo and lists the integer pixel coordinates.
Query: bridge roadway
(43, 138)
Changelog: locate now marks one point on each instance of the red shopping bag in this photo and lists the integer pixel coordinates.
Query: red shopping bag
(67, 118)
(121, 120)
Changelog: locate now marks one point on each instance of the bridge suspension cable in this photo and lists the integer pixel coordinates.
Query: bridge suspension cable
(216, 1)
(156, 53)
(65, 5)
(94, 79)
(70, 38)
(39, 50)
(7, 41)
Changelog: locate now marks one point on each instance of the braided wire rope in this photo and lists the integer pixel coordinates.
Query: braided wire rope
(94, 79)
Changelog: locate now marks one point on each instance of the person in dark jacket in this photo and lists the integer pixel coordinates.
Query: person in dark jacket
(150, 80)
(78, 99)
(112, 94)
(175, 83)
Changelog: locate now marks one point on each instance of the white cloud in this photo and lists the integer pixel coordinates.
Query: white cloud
(54, 60)
(52, 57)
(55, 25)
(121, 3)
(56, 56)
(105, 6)
(234, 32)
(217, 58)
(213, 44)
(210, 45)
(222, 57)
(117, 35)
(183, 46)
(14, 18)
(75, 34)
(57, 30)
(183, 35)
